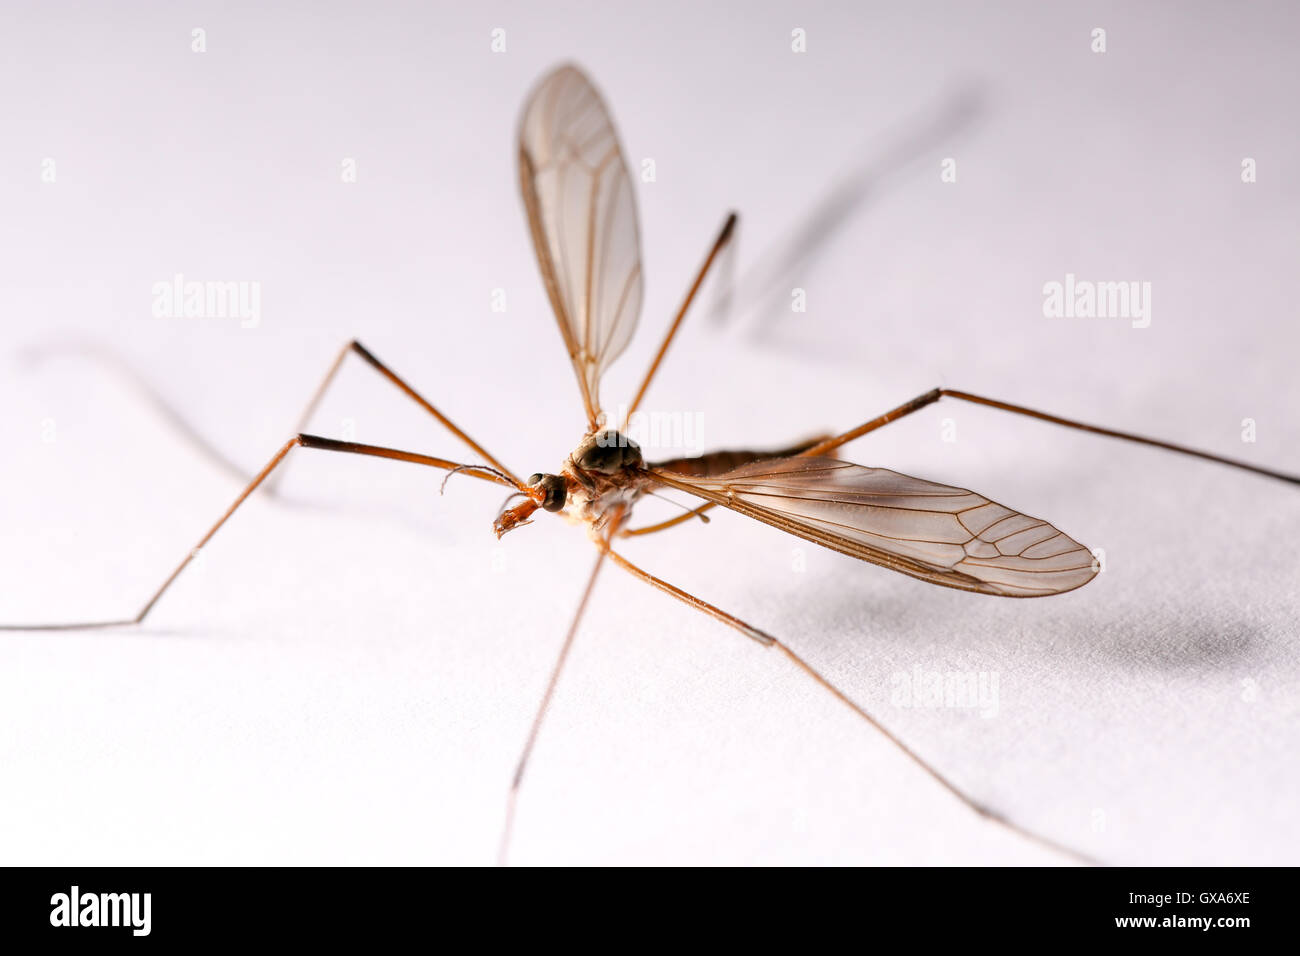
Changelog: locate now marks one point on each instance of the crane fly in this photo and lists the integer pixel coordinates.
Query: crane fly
(582, 216)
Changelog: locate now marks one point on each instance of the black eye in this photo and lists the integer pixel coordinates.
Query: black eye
(556, 492)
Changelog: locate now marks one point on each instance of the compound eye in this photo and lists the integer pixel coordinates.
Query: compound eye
(556, 492)
(535, 477)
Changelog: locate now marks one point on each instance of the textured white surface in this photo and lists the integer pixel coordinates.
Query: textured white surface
(347, 675)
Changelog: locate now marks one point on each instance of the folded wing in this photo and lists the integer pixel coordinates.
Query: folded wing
(944, 535)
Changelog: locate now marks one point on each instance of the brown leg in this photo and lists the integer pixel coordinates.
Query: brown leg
(723, 237)
(671, 522)
(932, 396)
(692, 601)
(305, 441)
(763, 638)
(384, 370)
(517, 781)
(981, 809)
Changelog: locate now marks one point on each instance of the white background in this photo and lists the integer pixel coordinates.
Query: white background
(349, 671)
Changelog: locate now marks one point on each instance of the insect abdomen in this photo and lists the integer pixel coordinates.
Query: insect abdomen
(719, 462)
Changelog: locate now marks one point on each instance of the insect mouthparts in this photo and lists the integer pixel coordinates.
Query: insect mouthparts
(515, 517)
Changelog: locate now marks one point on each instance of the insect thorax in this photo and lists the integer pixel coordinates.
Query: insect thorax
(605, 452)
(605, 472)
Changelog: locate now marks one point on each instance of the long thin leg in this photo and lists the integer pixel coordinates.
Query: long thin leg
(932, 396)
(767, 640)
(718, 243)
(762, 637)
(670, 522)
(305, 441)
(384, 370)
(984, 811)
(518, 779)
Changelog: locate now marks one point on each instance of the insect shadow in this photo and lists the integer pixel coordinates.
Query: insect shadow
(759, 299)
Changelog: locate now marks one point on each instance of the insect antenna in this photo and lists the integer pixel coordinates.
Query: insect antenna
(505, 479)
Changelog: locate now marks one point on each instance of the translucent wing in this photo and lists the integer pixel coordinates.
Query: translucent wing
(937, 533)
(582, 214)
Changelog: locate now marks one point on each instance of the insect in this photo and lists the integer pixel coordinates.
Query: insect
(582, 215)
